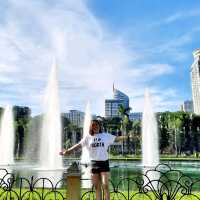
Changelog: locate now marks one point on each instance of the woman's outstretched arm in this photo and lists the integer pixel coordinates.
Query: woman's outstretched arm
(71, 149)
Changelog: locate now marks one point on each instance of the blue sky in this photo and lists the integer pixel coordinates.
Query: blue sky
(134, 43)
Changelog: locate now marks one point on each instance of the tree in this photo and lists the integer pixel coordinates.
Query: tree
(22, 119)
(195, 130)
(164, 131)
(177, 131)
(111, 125)
(136, 136)
(125, 123)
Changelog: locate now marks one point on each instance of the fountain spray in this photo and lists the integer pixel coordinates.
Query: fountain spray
(7, 137)
(150, 146)
(50, 143)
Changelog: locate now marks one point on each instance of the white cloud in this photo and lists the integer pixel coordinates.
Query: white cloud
(90, 58)
(150, 71)
(175, 47)
(176, 38)
(173, 18)
(181, 16)
(163, 99)
(176, 16)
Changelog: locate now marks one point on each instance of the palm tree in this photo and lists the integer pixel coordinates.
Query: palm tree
(125, 122)
(124, 111)
(136, 135)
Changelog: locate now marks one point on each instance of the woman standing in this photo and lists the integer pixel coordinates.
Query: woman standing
(97, 144)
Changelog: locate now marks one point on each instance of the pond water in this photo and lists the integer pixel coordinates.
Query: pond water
(119, 170)
(133, 170)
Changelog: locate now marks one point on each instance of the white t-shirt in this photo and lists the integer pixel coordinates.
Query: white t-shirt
(97, 145)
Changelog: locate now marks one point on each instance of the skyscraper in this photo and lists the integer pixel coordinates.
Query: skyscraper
(187, 106)
(76, 117)
(118, 95)
(195, 77)
(135, 116)
(112, 105)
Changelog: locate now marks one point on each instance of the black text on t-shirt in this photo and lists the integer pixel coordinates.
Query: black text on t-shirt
(97, 143)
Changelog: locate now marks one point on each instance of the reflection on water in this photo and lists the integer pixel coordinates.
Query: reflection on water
(133, 170)
(86, 177)
(7, 177)
(49, 179)
(119, 171)
(39, 179)
(30, 174)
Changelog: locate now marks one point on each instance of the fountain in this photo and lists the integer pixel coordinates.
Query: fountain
(85, 161)
(150, 146)
(50, 143)
(7, 137)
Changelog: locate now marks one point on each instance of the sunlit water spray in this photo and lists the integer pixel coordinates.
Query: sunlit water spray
(85, 160)
(50, 144)
(150, 146)
(7, 138)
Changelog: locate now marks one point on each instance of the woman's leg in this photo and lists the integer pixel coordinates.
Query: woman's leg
(105, 184)
(96, 181)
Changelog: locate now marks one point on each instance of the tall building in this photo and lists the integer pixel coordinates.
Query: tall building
(120, 96)
(187, 106)
(195, 77)
(135, 116)
(76, 117)
(112, 105)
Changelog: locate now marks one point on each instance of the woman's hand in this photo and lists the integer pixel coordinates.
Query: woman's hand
(70, 150)
(64, 152)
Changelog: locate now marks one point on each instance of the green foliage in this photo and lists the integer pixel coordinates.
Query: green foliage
(179, 132)
(22, 119)
(126, 124)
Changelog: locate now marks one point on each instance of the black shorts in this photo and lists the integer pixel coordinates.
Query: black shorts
(99, 166)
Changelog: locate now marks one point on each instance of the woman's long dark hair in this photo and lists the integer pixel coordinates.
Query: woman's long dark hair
(99, 123)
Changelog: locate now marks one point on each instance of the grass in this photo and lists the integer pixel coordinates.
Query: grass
(151, 196)
(26, 194)
(162, 158)
(50, 195)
